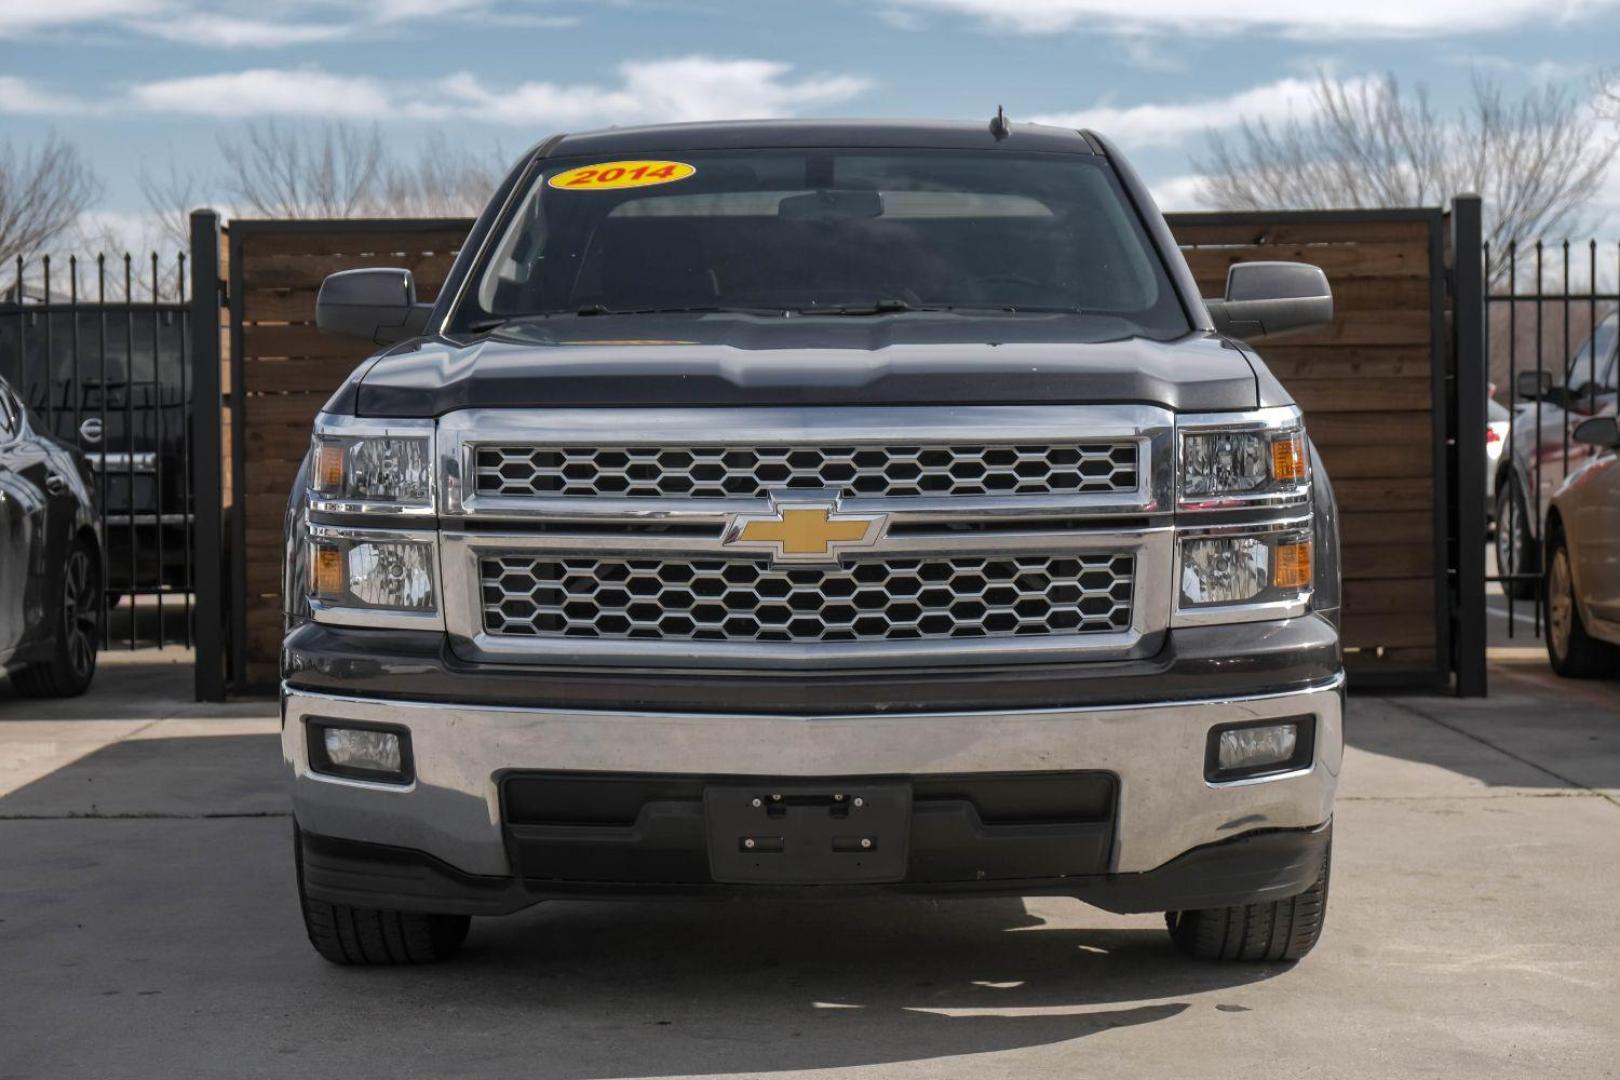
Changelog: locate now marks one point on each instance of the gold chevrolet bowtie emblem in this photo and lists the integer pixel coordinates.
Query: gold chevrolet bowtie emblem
(804, 532)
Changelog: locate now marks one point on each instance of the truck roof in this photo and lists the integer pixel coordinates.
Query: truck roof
(756, 134)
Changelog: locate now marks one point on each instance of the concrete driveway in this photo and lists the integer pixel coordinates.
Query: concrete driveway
(148, 929)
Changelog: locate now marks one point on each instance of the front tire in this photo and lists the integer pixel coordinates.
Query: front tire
(72, 666)
(1279, 930)
(1515, 544)
(356, 936)
(1574, 653)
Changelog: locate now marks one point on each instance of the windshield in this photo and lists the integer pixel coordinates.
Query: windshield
(827, 232)
(1592, 370)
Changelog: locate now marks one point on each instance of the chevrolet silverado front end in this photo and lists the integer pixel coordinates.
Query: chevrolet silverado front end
(813, 508)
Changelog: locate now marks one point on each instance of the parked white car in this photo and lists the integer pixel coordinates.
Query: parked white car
(1583, 559)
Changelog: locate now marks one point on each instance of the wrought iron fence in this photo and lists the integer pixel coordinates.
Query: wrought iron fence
(1551, 335)
(98, 350)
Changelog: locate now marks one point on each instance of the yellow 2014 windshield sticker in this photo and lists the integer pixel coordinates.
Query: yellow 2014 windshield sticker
(621, 174)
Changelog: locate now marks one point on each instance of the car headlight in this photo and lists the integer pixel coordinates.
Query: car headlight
(1249, 458)
(1235, 574)
(371, 578)
(360, 468)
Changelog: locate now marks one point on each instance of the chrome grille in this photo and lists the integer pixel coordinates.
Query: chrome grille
(871, 600)
(720, 472)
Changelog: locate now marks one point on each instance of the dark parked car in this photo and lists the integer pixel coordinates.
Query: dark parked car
(50, 559)
(1549, 411)
(110, 383)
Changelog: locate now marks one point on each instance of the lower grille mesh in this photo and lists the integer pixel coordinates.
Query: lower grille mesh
(737, 600)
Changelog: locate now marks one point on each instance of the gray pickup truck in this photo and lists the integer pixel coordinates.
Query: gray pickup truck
(791, 508)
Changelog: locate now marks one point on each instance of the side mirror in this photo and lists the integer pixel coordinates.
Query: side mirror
(378, 305)
(1600, 431)
(1265, 298)
(1531, 385)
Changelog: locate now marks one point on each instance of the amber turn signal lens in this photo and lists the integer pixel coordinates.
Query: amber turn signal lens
(329, 467)
(1288, 457)
(325, 571)
(1292, 567)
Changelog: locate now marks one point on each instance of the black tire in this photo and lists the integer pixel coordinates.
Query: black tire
(1279, 930)
(1574, 653)
(1516, 549)
(367, 936)
(72, 666)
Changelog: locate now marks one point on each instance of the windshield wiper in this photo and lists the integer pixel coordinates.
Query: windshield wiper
(876, 307)
(708, 309)
(589, 310)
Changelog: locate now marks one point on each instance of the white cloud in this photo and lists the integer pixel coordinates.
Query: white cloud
(658, 91)
(255, 24)
(654, 91)
(24, 16)
(1150, 53)
(230, 32)
(1361, 18)
(20, 97)
(1166, 125)
(1178, 193)
(267, 91)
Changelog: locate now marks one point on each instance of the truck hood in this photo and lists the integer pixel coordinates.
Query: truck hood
(920, 358)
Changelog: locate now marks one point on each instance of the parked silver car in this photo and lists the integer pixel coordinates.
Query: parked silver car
(1540, 456)
(1583, 558)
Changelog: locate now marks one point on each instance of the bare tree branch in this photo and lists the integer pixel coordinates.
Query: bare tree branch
(171, 197)
(441, 182)
(1608, 94)
(1538, 160)
(328, 172)
(42, 195)
(339, 170)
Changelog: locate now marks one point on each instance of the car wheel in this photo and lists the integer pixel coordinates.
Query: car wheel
(72, 665)
(1574, 654)
(1515, 545)
(360, 936)
(1279, 930)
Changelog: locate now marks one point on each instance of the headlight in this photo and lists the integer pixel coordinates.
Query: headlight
(358, 467)
(365, 577)
(1234, 575)
(1241, 459)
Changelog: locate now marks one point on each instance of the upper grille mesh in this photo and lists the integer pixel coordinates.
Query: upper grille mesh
(719, 472)
(744, 600)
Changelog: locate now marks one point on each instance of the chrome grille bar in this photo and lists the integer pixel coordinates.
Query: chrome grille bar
(589, 536)
(942, 463)
(903, 599)
(753, 472)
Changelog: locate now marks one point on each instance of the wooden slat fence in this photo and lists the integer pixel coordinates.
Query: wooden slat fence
(286, 371)
(1366, 383)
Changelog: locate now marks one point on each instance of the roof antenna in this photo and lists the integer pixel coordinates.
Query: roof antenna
(999, 126)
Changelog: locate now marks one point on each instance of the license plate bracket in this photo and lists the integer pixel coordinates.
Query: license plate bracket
(818, 833)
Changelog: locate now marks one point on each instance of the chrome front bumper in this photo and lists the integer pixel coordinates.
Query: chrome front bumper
(452, 809)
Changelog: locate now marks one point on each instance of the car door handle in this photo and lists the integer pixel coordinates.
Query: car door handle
(55, 484)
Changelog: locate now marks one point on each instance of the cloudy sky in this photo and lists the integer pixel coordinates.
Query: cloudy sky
(146, 83)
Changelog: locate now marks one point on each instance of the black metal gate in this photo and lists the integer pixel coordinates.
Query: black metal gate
(98, 348)
(1552, 333)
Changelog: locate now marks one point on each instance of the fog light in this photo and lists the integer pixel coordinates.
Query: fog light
(1247, 750)
(374, 750)
(368, 753)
